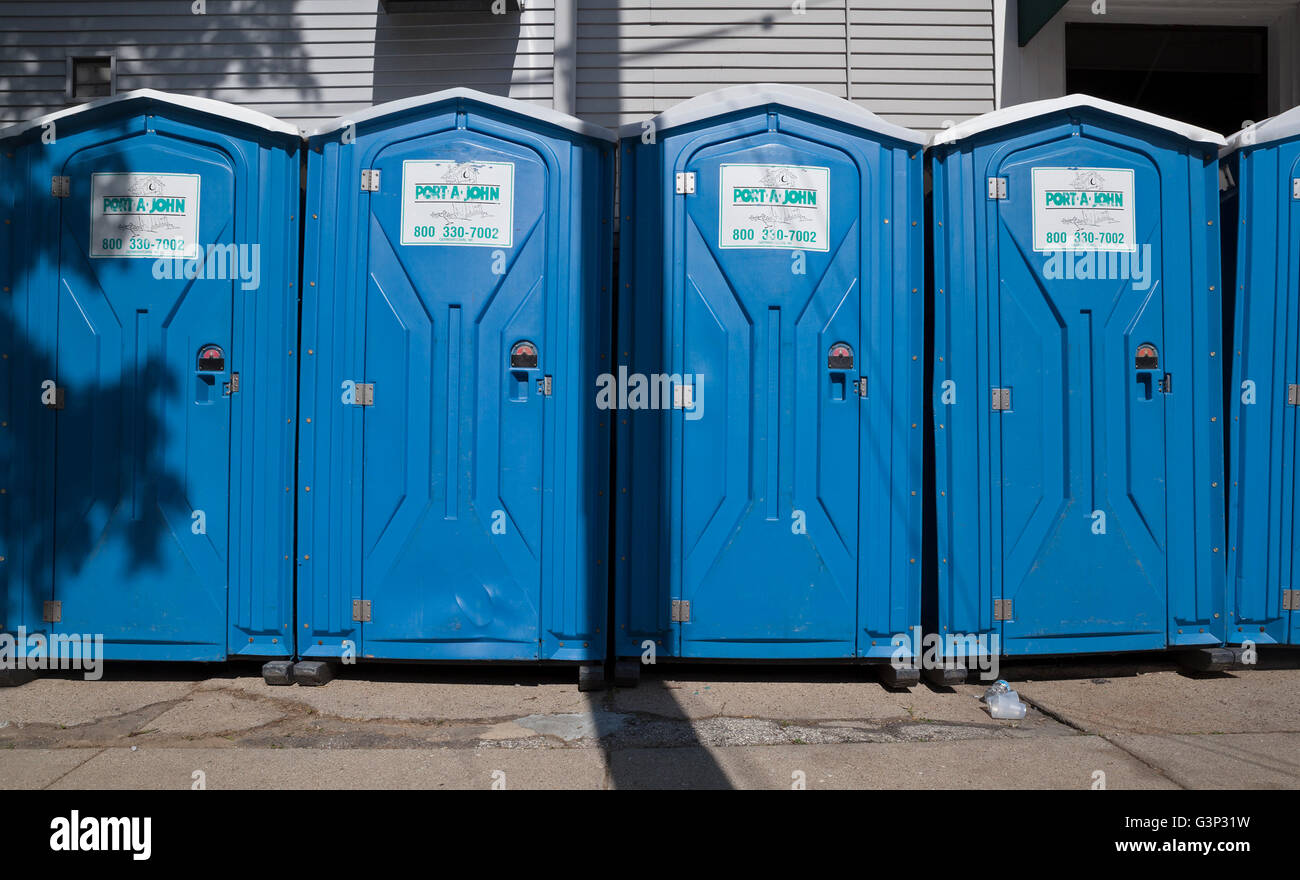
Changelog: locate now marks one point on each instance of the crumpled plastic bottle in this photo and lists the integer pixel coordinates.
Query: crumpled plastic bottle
(998, 687)
(1003, 702)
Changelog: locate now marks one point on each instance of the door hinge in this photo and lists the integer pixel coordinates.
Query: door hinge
(860, 386)
(364, 394)
(1293, 395)
(683, 397)
(370, 180)
(1002, 609)
(361, 610)
(1295, 187)
(60, 187)
(1291, 600)
(997, 187)
(52, 612)
(1001, 399)
(685, 183)
(681, 611)
(1166, 384)
(232, 387)
(545, 386)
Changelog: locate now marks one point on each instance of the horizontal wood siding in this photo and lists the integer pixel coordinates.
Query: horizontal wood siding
(916, 62)
(305, 61)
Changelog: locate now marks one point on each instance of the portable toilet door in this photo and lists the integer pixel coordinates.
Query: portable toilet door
(453, 463)
(1262, 167)
(1078, 382)
(769, 446)
(150, 315)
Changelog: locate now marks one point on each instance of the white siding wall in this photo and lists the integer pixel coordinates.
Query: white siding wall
(302, 60)
(916, 62)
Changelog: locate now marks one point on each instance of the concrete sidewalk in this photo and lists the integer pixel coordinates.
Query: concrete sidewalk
(1128, 725)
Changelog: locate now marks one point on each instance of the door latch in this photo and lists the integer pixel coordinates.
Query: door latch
(232, 387)
(860, 386)
(1166, 384)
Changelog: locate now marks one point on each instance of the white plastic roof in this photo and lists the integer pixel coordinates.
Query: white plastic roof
(744, 97)
(1275, 128)
(523, 108)
(1008, 115)
(202, 105)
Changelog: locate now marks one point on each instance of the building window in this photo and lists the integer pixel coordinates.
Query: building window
(91, 76)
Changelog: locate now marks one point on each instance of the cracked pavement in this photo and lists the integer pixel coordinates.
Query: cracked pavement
(1141, 723)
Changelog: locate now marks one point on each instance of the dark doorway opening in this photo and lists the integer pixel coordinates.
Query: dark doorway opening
(1214, 77)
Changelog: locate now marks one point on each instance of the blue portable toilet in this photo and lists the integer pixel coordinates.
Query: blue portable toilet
(769, 383)
(453, 466)
(1078, 383)
(149, 318)
(1262, 169)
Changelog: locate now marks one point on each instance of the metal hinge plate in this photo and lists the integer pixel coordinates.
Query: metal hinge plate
(365, 394)
(545, 386)
(52, 612)
(232, 387)
(370, 180)
(1001, 609)
(1291, 600)
(1295, 187)
(681, 611)
(861, 386)
(60, 187)
(1166, 384)
(685, 183)
(683, 397)
(1293, 395)
(997, 187)
(361, 610)
(1001, 399)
